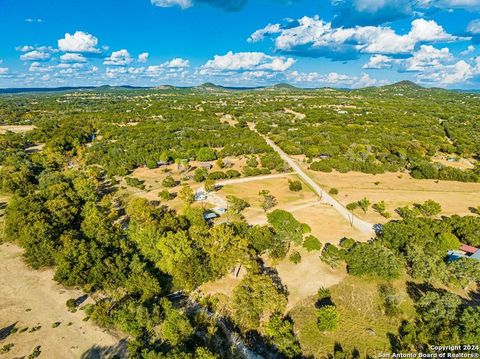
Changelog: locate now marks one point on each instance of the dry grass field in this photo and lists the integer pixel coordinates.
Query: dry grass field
(327, 225)
(304, 279)
(16, 128)
(399, 189)
(362, 324)
(31, 299)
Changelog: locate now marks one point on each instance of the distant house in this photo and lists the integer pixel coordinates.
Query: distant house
(206, 165)
(163, 163)
(324, 157)
(200, 196)
(210, 215)
(465, 251)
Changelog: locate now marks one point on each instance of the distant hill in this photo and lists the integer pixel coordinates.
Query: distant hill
(403, 85)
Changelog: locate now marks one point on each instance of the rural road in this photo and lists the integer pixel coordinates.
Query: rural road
(356, 222)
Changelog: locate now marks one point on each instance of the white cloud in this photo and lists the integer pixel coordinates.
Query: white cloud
(24, 48)
(315, 37)
(331, 79)
(33, 20)
(72, 57)
(473, 27)
(468, 50)
(118, 58)
(378, 62)
(176, 63)
(169, 3)
(428, 57)
(78, 42)
(35, 55)
(38, 67)
(143, 57)
(456, 73)
(247, 61)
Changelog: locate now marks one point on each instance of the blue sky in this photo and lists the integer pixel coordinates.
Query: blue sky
(308, 43)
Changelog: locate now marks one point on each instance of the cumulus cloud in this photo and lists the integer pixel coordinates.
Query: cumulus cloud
(428, 57)
(468, 50)
(35, 55)
(118, 58)
(378, 62)
(79, 42)
(143, 57)
(315, 79)
(176, 63)
(38, 67)
(314, 37)
(247, 61)
(72, 57)
(33, 20)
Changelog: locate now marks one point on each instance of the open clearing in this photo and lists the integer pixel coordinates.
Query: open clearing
(304, 279)
(16, 128)
(362, 324)
(30, 298)
(399, 189)
(327, 225)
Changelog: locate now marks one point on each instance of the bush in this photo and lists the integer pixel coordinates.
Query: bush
(311, 244)
(216, 175)
(135, 182)
(322, 166)
(232, 173)
(333, 191)
(347, 243)
(295, 186)
(200, 174)
(165, 195)
(331, 255)
(327, 318)
(323, 293)
(169, 182)
(295, 257)
(71, 304)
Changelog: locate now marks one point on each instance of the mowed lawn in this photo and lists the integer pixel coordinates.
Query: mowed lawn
(397, 190)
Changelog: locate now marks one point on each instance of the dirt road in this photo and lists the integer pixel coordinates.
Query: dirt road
(356, 222)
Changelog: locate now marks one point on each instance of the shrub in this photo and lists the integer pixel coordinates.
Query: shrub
(311, 243)
(295, 186)
(71, 304)
(232, 173)
(331, 255)
(347, 243)
(169, 182)
(327, 318)
(295, 257)
(165, 195)
(322, 166)
(333, 191)
(323, 293)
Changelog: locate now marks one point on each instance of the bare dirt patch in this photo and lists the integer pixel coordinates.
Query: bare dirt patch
(30, 298)
(307, 277)
(16, 128)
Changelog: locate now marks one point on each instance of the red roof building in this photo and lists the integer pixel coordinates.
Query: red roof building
(468, 249)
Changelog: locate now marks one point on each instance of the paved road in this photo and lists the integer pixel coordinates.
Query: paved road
(325, 197)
